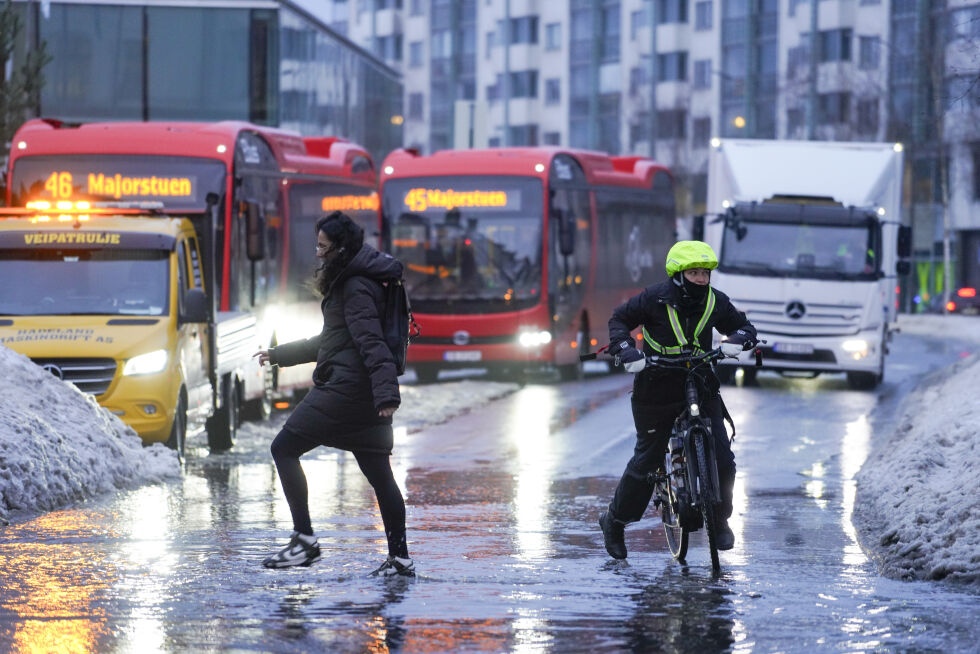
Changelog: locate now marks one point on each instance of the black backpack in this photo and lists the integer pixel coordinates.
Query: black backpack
(397, 322)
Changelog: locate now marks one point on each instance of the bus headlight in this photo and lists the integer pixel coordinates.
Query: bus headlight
(146, 364)
(534, 338)
(856, 347)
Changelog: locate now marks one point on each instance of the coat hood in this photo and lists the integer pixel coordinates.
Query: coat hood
(370, 263)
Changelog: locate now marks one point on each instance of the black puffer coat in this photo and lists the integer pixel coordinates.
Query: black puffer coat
(649, 309)
(355, 373)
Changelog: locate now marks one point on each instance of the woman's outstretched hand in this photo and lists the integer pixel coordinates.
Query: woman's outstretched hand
(263, 356)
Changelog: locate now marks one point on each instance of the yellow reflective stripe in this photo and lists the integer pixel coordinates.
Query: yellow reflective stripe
(675, 325)
(704, 319)
(657, 347)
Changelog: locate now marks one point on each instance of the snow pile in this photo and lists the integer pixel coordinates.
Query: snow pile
(434, 403)
(919, 491)
(58, 446)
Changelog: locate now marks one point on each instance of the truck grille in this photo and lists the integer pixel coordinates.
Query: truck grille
(89, 375)
(773, 318)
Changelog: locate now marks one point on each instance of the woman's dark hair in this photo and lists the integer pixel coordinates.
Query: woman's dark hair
(346, 237)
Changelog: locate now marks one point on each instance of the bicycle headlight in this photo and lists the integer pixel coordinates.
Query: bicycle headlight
(146, 364)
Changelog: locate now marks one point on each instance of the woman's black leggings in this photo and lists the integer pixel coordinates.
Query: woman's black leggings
(286, 450)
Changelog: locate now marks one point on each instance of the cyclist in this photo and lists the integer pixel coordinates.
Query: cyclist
(677, 316)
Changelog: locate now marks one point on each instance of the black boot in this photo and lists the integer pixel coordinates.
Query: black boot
(612, 533)
(725, 536)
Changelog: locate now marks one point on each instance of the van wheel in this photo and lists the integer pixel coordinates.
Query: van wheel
(223, 425)
(178, 433)
(863, 381)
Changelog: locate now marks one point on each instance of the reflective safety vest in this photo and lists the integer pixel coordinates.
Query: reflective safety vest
(675, 325)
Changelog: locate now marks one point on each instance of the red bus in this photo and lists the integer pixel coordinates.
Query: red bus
(265, 187)
(516, 257)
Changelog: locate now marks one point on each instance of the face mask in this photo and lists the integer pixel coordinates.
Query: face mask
(692, 290)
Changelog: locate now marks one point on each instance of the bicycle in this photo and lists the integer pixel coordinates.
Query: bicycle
(687, 491)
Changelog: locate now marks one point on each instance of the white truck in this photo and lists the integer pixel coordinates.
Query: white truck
(810, 245)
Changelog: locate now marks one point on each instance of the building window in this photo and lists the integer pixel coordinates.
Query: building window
(793, 4)
(672, 66)
(671, 11)
(415, 54)
(494, 90)
(523, 135)
(964, 23)
(552, 91)
(704, 15)
(794, 121)
(962, 93)
(640, 129)
(524, 84)
(867, 116)
(524, 29)
(552, 36)
(638, 20)
(415, 109)
(869, 57)
(797, 60)
(833, 108)
(702, 74)
(671, 124)
(835, 45)
(552, 138)
(389, 47)
(638, 77)
(609, 46)
(490, 41)
(415, 8)
(701, 132)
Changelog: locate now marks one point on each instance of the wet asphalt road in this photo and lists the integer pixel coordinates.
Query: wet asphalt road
(502, 505)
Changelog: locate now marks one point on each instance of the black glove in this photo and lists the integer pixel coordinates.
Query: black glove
(743, 338)
(626, 352)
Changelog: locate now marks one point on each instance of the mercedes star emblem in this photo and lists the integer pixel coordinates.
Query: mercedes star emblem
(54, 370)
(795, 310)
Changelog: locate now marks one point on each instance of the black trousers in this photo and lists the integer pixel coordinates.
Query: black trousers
(289, 446)
(653, 424)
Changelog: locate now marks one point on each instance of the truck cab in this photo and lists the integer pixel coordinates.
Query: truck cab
(117, 303)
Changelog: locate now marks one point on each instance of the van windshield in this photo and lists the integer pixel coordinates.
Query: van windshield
(84, 282)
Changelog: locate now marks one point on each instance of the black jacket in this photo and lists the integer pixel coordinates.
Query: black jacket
(649, 309)
(352, 358)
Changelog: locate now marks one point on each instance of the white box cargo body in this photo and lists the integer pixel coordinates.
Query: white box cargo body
(807, 236)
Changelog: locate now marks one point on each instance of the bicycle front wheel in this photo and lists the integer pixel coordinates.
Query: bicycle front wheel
(706, 495)
(677, 535)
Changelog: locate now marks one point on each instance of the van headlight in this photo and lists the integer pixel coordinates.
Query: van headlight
(146, 364)
(856, 347)
(534, 338)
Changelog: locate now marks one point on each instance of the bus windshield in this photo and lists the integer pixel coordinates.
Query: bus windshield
(180, 183)
(85, 282)
(308, 201)
(469, 244)
(800, 249)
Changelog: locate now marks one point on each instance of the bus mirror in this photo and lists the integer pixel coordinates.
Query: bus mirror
(254, 232)
(566, 233)
(904, 241)
(195, 307)
(903, 267)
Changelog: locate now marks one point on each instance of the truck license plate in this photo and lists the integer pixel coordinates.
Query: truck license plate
(793, 348)
(462, 355)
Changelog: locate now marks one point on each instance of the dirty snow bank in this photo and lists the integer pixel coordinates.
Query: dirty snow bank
(918, 493)
(431, 404)
(58, 446)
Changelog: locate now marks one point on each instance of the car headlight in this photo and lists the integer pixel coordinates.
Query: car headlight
(146, 364)
(534, 338)
(857, 347)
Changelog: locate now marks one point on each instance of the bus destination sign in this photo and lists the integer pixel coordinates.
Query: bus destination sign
(423, 199)
(60, 185)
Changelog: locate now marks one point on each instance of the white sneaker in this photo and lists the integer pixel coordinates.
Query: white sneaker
(395, 565)
(302, 550)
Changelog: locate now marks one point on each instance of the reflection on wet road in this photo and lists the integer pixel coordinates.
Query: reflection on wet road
(502, 505)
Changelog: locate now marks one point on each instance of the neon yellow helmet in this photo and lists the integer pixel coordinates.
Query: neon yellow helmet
(684, 255)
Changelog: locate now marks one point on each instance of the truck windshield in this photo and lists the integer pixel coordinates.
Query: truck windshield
(800, 250)
(84, 282)
(469, 244)
(180, 183)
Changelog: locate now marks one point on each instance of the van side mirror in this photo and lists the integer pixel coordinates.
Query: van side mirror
(254, 232)
(195, 307)
(903, 268)
(566, 232)
(904, 241)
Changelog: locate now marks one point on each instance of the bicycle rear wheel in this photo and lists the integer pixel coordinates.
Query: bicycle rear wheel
(706, 497)
(677, 536)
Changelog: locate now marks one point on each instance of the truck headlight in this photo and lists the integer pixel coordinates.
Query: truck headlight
(146, 364)
(534, 338)
(856, 347)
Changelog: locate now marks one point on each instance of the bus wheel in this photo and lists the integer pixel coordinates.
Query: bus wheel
(426, 374)
(178, 433)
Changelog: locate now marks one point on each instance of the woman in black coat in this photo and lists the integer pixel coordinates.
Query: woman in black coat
(354, 394)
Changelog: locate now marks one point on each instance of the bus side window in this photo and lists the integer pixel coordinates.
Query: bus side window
(182, 285)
